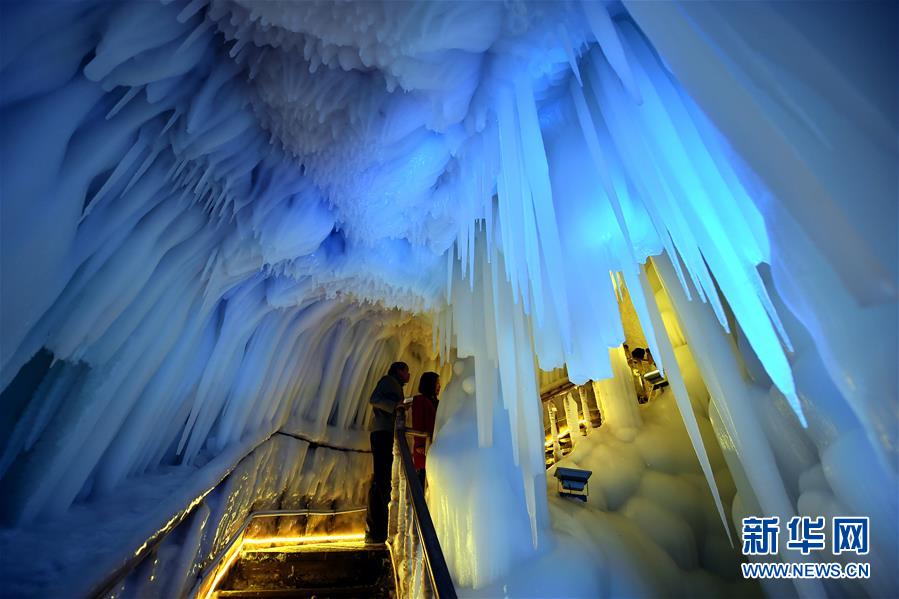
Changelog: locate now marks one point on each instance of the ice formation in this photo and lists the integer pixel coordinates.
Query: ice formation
(649, 516)
(280, 472)
(225, 218)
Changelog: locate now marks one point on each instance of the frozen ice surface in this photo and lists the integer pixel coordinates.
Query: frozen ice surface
(483, 524)
(649, 526)
(82, 547)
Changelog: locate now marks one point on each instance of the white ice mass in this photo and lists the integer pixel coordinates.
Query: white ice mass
(221, 221)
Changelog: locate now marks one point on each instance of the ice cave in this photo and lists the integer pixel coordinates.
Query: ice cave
(649, 247)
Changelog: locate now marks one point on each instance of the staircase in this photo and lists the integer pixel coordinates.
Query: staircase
(308, 553)
(333, 569)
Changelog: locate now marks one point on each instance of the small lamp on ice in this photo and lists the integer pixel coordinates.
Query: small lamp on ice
(573, 482)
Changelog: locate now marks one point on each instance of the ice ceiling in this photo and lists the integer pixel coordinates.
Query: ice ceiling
(226, 216)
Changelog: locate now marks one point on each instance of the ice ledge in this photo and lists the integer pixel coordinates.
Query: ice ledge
(51, 559)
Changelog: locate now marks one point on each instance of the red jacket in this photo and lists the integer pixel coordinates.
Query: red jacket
(424, 411)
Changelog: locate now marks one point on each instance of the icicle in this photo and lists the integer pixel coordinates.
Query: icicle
(513, 195)
(537, 174)
(260, 59)
(194, 35)
(172, 119)
(236, 49)
(190, 10)
(470, 250)
(129, 95)
(641, 307)
(615, 286)
(486, 391)
(676, 379)
(565, 40)
(762, 294)
(148, 161)
(606, 35)
(617, 396)
(571, 417)
(121, 168)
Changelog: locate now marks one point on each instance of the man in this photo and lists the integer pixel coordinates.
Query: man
(639, 367)
(386, 399)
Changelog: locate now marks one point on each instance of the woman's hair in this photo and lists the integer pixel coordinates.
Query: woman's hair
(427, 385)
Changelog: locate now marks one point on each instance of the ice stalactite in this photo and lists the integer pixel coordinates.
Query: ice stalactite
(633, 175)
(824, 144)
(498, 337)
(185, 265)
(682, 397)
(483, 525)
(771, 468)
(617, 397)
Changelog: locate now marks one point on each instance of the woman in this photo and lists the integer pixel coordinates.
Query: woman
(424, 410)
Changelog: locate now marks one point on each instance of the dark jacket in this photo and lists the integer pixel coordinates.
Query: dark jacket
(387, 395)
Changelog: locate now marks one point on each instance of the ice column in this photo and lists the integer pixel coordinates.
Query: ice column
(554, 431)
(682, 399)
(618, 398)
(585, 407)
(574, 424)
(734, 397)
(476, 498)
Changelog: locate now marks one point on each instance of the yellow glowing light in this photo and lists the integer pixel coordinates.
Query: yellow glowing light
(172, 521)
(239, 547)
(305, 540)
(235, 552)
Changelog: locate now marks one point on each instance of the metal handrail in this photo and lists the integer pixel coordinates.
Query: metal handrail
(441, 581)
(313, 443)
(109, 582)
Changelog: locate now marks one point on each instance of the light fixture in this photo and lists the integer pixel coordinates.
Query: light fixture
(573, 482)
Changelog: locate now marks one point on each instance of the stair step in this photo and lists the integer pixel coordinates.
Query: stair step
(310, 572)
(372, 592)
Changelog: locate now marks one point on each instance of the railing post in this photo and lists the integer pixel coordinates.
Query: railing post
(412, 530)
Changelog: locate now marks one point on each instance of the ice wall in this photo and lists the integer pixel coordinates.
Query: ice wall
(95, 538)
(189, 280)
